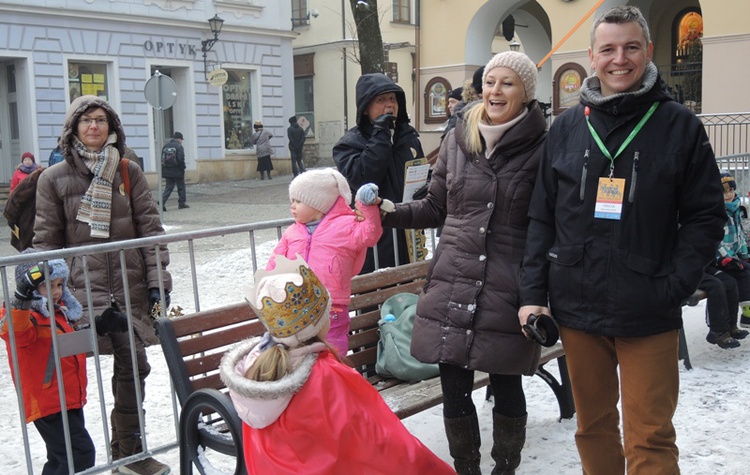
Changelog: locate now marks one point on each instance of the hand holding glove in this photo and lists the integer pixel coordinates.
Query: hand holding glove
(385, 122)
(28, 282)
(154, 302)
(112, 320)
(368, 194)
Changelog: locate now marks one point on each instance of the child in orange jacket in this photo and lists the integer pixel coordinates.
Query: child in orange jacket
(31, 325)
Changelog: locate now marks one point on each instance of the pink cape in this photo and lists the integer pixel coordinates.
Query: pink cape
(337, 424)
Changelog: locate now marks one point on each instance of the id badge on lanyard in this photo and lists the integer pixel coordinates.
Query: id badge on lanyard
(611, 191)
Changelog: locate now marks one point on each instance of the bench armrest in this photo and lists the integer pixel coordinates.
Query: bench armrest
(193, 433)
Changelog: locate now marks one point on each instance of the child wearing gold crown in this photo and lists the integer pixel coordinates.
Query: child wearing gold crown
(329, 236)
(303, 410)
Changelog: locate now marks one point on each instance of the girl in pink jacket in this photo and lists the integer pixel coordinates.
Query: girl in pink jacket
(331, 238)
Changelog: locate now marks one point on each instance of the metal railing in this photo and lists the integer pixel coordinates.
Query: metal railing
(729, 133)
(236, 250)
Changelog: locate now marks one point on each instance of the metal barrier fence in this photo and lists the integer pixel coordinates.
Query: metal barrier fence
(208, 268)
(729, 133)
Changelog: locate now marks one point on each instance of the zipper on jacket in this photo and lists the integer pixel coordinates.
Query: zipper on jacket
(584, 173)
(631, 196)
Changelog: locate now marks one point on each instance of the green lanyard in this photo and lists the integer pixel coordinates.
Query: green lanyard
(627, 141)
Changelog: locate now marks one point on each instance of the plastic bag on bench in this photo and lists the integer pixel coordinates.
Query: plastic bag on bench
(394, 347)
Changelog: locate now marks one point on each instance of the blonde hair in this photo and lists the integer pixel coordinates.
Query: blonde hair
(274, 363)
(472, 117)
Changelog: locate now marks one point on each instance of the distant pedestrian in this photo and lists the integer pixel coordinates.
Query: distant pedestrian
(173, 171)
(263, 150)
(28, 164)
(296, 136)
(55, 155)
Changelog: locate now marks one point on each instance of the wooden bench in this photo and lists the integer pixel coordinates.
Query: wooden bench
(194, 344)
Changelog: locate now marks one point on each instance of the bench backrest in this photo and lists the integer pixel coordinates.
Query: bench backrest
(194, 344)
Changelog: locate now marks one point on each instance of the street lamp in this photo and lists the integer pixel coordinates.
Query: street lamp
(514, 45)
(215, 24)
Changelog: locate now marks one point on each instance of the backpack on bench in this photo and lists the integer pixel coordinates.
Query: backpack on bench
(394, 347)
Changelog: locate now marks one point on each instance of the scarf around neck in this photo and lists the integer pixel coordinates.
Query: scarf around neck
(27, 169)
(591, 90)
(96, 203)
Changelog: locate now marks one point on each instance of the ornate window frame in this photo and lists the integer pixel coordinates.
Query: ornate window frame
(432, 92)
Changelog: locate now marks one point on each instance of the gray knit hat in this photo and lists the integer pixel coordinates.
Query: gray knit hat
(520, 64)
(320, 189)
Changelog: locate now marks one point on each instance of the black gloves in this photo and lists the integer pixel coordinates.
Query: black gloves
(385, 122)
(154, 302)
(28, 282)
(112, 320)
(542, 329)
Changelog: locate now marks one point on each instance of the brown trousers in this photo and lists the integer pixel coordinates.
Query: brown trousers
(648, 387)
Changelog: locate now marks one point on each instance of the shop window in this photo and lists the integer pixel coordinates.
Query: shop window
(87, 79)
(402, 11)
(436, 100)
(238, 116)
(304, 100)
(304, 97)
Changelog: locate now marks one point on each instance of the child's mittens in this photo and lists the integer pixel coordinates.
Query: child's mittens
(368, 194)
(28, 282)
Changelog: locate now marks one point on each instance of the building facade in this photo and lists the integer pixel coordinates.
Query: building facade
(700, 48)
(52, 51)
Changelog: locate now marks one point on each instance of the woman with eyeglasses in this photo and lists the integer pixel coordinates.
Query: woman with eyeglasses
(91, 198)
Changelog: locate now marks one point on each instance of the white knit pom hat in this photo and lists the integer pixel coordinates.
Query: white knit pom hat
(520, 64)
(320, 189)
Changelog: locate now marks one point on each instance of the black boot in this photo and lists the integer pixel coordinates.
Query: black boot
(508, 437)
(463, 443)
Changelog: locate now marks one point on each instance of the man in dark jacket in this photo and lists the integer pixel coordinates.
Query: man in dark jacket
(174, 172)
(296, 136)
(626, 213)
(376, 151)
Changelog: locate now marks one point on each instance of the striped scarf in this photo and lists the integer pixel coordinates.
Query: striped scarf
(96, 204)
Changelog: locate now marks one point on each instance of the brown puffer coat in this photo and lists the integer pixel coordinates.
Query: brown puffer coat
(59, 195)
(467, 314)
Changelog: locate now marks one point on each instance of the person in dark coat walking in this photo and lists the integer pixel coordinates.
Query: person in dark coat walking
(174, 173)
(376, 151)
(467, 315)
(627, 211)
(296, 136)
